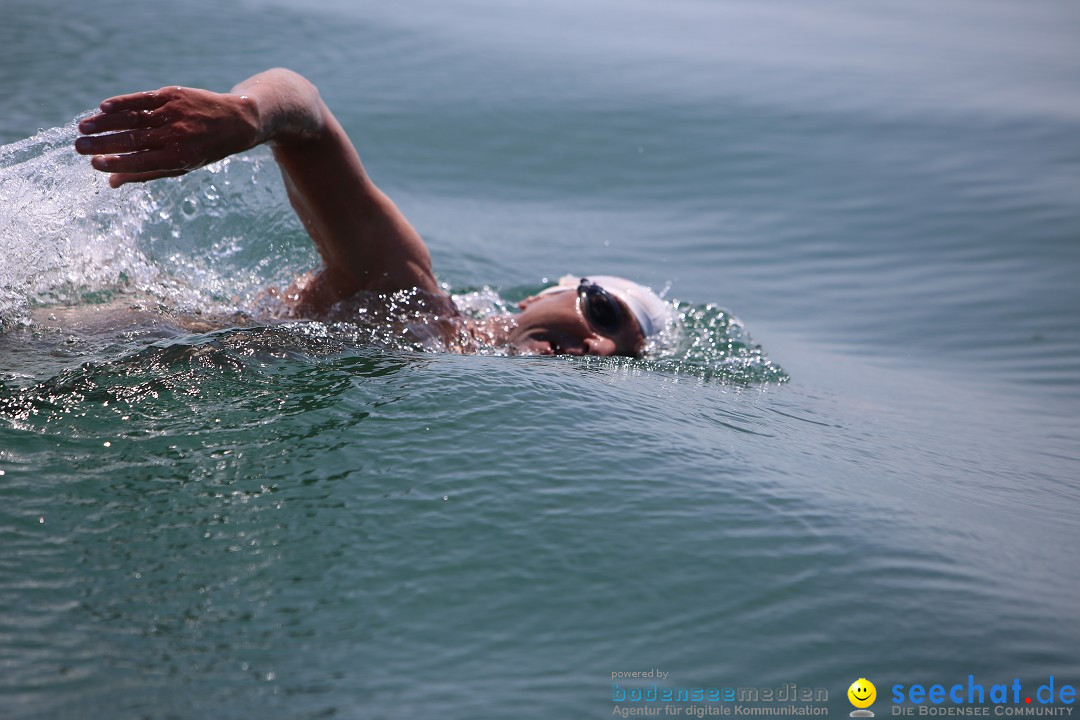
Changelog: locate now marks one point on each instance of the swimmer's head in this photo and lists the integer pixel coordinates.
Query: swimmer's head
(590, 315)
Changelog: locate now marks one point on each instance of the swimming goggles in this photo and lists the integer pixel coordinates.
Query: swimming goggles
(600, 308)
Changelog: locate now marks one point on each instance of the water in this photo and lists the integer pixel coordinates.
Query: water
(296, 521)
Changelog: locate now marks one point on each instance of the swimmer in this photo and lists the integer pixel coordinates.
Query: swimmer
(366, 244)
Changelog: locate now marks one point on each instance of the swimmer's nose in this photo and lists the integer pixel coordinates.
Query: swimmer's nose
(599, 346)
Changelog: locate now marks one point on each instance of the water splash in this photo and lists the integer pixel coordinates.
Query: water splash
(61, 231)
(196, 242)
(709, 342)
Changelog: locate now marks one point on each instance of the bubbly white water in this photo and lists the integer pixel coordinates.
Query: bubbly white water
(67, 237)
(62, 231)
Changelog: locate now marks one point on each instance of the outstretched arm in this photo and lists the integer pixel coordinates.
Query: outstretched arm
(365, 241)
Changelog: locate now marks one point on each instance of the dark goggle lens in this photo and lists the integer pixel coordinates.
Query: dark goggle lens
(601, 310)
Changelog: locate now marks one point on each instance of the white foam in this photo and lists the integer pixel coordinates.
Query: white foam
(209, 240)
(63, 231)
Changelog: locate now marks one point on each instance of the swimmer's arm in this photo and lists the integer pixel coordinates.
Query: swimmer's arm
(365, 241)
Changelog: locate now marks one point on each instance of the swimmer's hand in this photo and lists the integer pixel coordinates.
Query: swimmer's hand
(167, 132)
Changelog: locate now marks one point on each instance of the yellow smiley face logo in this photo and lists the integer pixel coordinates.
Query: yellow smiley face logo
(862, 693)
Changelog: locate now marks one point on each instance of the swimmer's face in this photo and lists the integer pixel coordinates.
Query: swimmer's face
(556, 324)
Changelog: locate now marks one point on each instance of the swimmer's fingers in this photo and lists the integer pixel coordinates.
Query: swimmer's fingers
(129, 112)
(150, 100)
(118, 179)
(123, 120)
(146, 161)
(121, 142)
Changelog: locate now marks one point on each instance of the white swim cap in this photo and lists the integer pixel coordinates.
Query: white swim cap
(649, 309)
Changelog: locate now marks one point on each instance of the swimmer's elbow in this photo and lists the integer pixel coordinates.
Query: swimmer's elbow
(289, 106)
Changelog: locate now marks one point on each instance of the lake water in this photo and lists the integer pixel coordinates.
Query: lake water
(858, 459)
